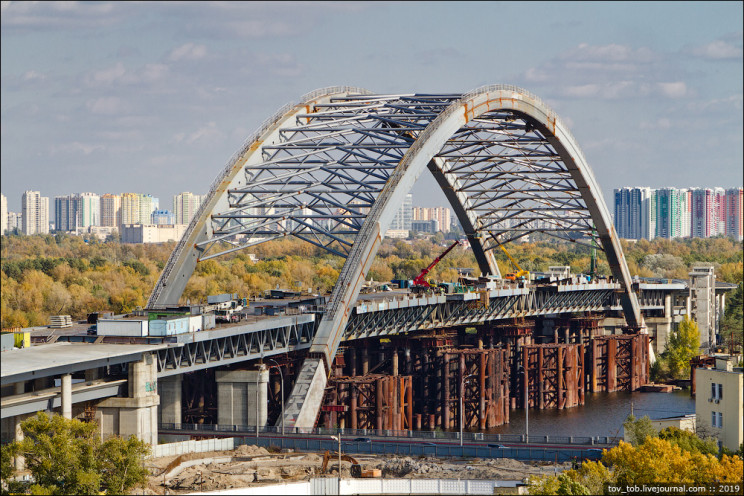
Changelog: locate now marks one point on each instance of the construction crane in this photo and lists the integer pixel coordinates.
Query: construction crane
(520, 273)
(419, 282)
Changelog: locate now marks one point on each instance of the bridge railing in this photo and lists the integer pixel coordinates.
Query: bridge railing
(388, 433)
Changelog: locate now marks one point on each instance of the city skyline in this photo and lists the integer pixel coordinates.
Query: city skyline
(169, 91)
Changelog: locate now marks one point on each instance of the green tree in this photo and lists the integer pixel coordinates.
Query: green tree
(66, 456)
(732, 324)
(689, 441)
(682, 346)
(637, 430)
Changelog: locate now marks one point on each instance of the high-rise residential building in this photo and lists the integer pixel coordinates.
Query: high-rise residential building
(442, 215)
(162, 217)
(137, 208)
(110, 210)
(635, 213)
(15, 221)
(66, 213)
(734, 213)
(719, 202)
(3, 214)
(404, 215)
(130, 208)
(89, 209)
(35, 213)
(185, 206)
(702, 220)
(669, 212)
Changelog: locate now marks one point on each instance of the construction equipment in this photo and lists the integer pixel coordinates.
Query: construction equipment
(520, 273)
(420, 283)
(356, 468)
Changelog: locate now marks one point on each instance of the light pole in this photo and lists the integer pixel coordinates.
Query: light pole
(338, 438)
(462, 393)
(281, 390)
(525, 379)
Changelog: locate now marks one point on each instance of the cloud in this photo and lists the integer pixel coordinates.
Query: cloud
(206, 134)
(54, 15)
(119, 75)
(75, 148)
(189, 51)
(106, 106)
(677, 89)
(607, 72)
(719, 50)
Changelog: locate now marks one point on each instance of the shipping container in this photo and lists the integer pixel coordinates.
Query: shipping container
(169, 327)
(195, 323)
(208, 321)
(122, 327)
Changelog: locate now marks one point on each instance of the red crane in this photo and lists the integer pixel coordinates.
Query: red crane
(420, 280)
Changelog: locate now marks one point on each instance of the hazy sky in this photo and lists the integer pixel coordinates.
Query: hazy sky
(155, 97)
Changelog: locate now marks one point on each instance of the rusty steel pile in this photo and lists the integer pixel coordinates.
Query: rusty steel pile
(414, 382)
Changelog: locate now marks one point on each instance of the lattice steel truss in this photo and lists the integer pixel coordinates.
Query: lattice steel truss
(334, 170)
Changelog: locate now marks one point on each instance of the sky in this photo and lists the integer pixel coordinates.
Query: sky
(148, 97)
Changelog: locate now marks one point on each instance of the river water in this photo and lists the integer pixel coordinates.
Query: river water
(602, 414)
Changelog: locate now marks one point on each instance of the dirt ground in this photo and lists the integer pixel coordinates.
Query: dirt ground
(250, 465)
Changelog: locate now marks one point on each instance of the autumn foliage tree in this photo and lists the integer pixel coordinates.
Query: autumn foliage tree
(67, 456)
(654, 461)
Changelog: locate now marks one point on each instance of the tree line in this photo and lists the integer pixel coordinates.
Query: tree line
(45, 275)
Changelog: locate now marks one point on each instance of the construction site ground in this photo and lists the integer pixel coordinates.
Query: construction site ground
(249, 465)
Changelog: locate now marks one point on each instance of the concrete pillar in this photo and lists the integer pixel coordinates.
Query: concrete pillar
(20, 462)
(395, 361)
(66, 387)
(170, 391)
(92, 374)
(138, 413)
(237, 397)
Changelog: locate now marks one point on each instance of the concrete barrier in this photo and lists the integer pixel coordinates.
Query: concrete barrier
(203, 446)
(330, 486)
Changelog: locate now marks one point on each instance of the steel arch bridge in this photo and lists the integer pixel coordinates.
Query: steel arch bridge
(334, 169)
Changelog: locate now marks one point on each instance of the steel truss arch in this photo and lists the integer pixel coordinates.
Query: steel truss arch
(334, 169)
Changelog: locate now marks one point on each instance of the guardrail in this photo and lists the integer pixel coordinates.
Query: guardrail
(556, 455)
(387, 433)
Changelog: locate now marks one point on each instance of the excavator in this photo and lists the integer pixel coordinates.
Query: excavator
(356, 468)
(420, 284)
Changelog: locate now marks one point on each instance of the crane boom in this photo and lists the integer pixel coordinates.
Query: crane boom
(513, 275)
(420, 279)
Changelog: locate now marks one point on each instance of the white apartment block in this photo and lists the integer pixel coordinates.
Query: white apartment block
(110, 210)
(151, 233)
(185, 206)
(3, 214)
(35, 213)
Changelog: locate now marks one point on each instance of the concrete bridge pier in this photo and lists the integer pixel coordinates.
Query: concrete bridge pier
(138, 413)
(170, 390)
(242, 396)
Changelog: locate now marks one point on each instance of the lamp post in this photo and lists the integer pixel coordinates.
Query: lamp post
(462, 393)
(525, 385)
(281, 390)
(338, 438)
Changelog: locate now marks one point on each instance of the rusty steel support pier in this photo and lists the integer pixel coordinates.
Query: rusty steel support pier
(417, 381)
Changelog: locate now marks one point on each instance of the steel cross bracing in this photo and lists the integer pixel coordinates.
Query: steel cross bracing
(291, 335)
(320, 179)
(460, 311)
